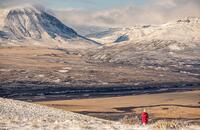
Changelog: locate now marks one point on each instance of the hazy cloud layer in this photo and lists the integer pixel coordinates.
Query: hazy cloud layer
(152, 12)
(155, 12)
(7, 3)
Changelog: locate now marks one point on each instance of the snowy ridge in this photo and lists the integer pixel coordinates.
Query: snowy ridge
(184, 30)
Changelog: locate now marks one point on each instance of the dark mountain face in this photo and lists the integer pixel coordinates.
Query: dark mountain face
(122, 38)
(54, 27)
(3, 35)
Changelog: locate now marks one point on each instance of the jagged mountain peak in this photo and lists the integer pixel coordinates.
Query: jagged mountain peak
(30, 8)
(21, 9)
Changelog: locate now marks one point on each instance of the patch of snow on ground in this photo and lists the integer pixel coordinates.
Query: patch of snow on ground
(175, 47)
(63, 71)
(5, 70)
(41, 76)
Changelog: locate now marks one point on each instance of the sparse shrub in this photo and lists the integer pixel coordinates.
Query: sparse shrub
(169, 125)
(130, 119)
(35, 125)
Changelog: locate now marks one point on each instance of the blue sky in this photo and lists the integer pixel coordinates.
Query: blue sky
(92, 4)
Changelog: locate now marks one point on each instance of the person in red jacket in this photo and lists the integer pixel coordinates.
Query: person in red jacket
(144, 117)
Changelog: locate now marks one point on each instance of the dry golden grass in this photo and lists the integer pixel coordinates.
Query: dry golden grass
(169, 125)
(157, 105)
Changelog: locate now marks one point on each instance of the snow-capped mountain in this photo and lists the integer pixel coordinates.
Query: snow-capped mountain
(36, 26)
(185, 30)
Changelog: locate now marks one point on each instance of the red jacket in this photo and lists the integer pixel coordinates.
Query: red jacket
(144, 117)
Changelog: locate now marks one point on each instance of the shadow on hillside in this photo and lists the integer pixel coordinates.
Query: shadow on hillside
(39, 91)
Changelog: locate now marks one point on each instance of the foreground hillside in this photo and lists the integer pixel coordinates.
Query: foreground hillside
(20, 115)
(17, 115)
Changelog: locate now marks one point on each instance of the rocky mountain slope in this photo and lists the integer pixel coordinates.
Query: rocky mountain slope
(172, 47)
(156, 54)
(36, 26)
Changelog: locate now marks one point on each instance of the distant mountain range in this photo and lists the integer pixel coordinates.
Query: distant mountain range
(33, 26)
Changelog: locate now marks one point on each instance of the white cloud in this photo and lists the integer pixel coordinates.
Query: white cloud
(155, 12)
(7, 3)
